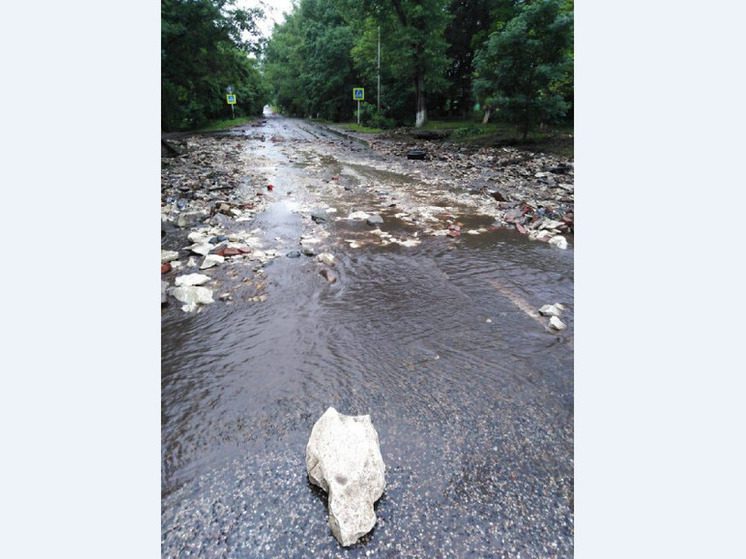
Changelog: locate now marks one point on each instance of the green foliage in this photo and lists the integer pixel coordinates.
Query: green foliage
(437, 56)
(369, 116)
(469, 28)
(202, 52)
(521, 68)
(308, 63)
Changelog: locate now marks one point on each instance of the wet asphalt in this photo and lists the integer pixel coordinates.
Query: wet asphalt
(471, 396)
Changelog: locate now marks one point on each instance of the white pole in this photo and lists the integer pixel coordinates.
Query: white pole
(378, 91)
(358, 112)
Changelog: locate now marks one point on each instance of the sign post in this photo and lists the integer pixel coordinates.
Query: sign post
(358, 94)
(230, 98)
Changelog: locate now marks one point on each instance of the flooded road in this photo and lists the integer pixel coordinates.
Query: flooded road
(436, 338)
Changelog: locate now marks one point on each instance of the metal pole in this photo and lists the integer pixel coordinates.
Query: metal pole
(233, 112)
(378, 90)
(358, 112)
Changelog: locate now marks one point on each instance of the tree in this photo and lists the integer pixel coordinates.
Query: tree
(308, 62)
(413, 33)
(202, 52)
(520, 64)
(471, 23)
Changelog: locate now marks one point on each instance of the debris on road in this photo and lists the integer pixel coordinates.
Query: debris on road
(192, 296)
(191, 279)
(343, 457)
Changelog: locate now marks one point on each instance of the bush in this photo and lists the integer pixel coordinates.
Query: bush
(369, 116)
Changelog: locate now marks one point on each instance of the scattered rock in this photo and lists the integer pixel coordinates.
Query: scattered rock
(191, 279)
(551, 310)
(166, 267)
(168, 256)
(374, 219)
(211, 260)
(556, 323)
(308, 251)
(319, 216)
(343, 457)
(328, 275)
(192, 296)
(293, 254)
(326, 258)
(558, 241)
(164, 287)
(203, 249)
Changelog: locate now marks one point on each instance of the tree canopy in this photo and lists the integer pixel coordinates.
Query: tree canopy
(522, 65)
(438, 58)
(202, 53)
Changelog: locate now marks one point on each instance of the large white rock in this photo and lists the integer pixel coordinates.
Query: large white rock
(556, 323)
(343, 457)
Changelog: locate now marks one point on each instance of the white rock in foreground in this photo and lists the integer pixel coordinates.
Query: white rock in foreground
(191, 279)
(556, 323)
(343, 457)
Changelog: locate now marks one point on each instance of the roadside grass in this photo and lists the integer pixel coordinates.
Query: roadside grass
(551, 139)
(355, 127)
(224, 124)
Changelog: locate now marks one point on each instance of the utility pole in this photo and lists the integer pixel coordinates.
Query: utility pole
(378, 89)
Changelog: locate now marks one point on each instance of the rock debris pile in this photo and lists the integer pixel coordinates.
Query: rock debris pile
(209, 196)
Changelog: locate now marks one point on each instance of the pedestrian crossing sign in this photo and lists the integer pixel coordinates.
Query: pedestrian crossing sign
(358, 94)
(231, 98)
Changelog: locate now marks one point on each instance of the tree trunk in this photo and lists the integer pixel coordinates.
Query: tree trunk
(419, 84)
(487, 114)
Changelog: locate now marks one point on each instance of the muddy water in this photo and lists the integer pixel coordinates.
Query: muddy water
(471, 394)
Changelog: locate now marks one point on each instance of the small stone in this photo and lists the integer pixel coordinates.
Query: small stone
(192, 296)
(168, 256)
(211, 260)
(374, 220)
(308, 251)
(164, 287)
(551, 310)
(319, 216)
(191, 279)
(558, 241)
(166, 267)
(328, 275)
(326, 258)
(556, 323)
(293, 254)
(203, 249)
